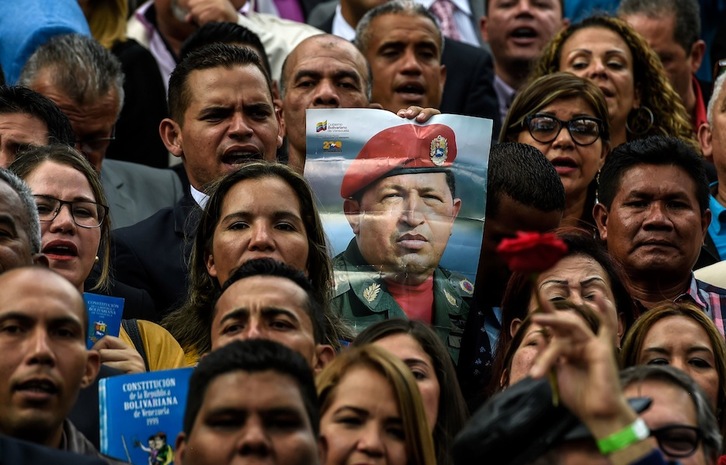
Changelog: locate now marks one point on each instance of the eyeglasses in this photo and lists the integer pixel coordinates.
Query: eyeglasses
(584, 130)
(85, 214)
(677, 440)
(98, 144)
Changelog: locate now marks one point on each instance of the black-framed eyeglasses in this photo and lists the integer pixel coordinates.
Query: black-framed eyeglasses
(97, 144)
(677, 440)
(584, 130)
(86, 214)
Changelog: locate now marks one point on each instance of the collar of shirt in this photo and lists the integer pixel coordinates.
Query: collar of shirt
(692, 292)
(712, 299)
(461, 5)
(200, 197)
(341, 28)
(505, 95)
(141, 15)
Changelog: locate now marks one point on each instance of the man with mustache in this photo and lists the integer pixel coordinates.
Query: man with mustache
(400, 200)
(653, 215)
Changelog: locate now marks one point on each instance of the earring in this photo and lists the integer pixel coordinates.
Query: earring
(639, 121)
(95, 260)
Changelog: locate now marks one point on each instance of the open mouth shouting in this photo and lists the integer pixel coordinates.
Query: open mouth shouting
(60, 250)
(411, 91)
(239, 155)
(524, 35)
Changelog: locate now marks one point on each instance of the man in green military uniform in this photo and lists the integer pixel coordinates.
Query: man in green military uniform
(400, 200)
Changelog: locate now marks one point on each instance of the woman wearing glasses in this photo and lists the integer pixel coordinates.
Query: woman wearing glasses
(75, 231)
(681, 335)
(566, 118)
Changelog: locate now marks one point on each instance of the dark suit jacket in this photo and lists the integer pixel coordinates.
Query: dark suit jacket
(137, 302)
(135, 192)
(152, 255)
(469, 86)
(85, 413)
(14, 452)
(709, 254)
(137, 128)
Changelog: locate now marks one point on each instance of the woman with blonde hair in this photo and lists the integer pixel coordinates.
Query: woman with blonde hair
(371, 408)
(420, 348)
(608, 52)
(75, 234)
(683, 335)
(106, 20)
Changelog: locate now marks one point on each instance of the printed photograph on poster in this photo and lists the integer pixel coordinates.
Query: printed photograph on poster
(402, 203)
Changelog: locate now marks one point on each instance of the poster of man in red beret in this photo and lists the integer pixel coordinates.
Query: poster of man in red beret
(403, 207)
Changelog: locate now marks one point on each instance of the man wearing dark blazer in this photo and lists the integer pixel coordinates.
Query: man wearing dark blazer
(468, 88)
(230, 83)
(135, 192)
(15, 451)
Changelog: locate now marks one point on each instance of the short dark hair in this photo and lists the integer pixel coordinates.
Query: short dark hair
(252, 356)
(393, 7)
(654, 150)
(523, 173)
(271, 267)
(208, 57)
(225, 33)
(19, 99)
(686, 14)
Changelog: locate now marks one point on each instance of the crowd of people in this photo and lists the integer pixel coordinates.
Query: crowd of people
(156, 152)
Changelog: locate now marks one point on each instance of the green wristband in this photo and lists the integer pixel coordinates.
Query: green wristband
(635, 432)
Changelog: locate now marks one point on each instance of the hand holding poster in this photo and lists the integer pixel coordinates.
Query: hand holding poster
(403, 206)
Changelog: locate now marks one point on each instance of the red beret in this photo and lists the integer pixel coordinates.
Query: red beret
(401, 149)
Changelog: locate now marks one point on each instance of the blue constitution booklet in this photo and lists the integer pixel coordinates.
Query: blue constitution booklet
(142, 414)
(104, 316)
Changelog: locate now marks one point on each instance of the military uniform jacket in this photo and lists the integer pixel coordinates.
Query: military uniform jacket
(361, 298)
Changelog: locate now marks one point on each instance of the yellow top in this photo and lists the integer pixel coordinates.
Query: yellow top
(162, 350)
